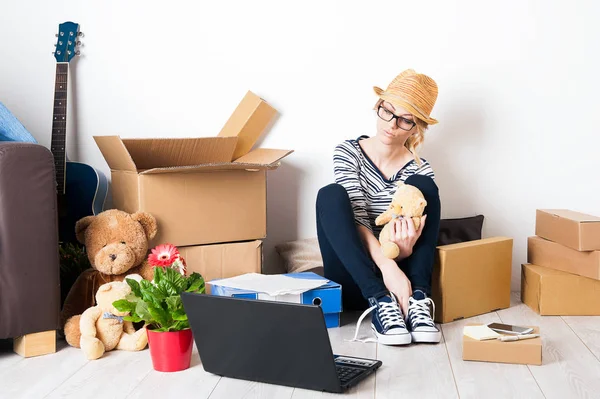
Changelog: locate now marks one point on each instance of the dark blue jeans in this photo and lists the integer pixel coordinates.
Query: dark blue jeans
(345, 258)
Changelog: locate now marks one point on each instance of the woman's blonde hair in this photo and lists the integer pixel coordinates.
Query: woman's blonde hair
(416, 139)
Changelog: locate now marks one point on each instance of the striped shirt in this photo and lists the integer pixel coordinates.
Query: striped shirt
(369, 191)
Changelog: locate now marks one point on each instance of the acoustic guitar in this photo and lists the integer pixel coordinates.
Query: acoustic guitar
(81, 189)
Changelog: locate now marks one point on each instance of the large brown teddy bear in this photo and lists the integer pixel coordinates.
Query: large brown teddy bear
(117, 245)
(102, 326)
(407, 202)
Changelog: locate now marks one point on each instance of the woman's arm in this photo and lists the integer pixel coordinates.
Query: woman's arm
(373, 247)
(393, 277)
(345, 173)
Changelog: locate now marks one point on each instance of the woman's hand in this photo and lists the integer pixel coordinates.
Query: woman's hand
(404, 234)
(396, 282)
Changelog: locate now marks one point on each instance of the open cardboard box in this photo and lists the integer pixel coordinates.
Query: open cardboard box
(201, 190)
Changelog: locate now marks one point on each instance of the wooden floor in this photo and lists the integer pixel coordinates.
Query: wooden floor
(571, 369)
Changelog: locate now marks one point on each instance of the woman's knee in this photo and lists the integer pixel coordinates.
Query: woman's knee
(424, 183)
(331, 194)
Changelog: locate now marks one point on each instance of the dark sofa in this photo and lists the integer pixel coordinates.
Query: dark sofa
(29, 254)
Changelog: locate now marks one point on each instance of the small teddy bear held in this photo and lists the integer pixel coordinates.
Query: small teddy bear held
(408, 202)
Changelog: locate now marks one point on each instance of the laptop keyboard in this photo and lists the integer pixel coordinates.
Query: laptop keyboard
(347, 373)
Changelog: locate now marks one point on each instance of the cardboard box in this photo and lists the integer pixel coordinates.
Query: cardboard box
(328, 296)
(527, 351)
(198, 189)
(551, 292)
(472, 278)
(223, 260)
(550, 254)
(573, 229)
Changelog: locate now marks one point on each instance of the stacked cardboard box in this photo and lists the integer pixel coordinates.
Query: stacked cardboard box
(562, 273)
(208, 194)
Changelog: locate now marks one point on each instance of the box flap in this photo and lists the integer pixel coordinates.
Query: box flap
(213, 167)
(115, 153)
(169, 152)
(264, 156)
(572, 215)
(249, 120)
(259, 159)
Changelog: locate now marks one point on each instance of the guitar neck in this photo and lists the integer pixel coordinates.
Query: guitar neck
(59, 125)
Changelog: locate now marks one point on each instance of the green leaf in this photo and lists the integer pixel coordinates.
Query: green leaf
(159, 293)
(134, 319)
(180, 315)
(135, 287)
(158, 273)
(195, 283)
(161, 316)
(133, 298)
(123, 305)
(173, 283)
(180, 325)
(146, 290)
(174, 303)
(141, 311)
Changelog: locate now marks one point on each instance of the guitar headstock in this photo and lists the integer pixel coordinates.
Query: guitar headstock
(67, 42)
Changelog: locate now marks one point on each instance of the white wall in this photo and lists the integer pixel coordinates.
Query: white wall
(518, 80)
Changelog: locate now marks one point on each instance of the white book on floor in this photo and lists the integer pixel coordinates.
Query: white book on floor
(480, 333)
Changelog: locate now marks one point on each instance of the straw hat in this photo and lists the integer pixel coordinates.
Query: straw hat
(412, 91)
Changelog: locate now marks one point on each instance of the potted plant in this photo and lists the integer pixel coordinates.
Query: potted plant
(158, 304)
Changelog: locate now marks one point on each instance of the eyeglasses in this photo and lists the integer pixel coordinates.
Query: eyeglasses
(401, 122)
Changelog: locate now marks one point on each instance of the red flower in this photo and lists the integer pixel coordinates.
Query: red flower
(163, 255)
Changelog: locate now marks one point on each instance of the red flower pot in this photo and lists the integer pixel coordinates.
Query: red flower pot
(171, 350)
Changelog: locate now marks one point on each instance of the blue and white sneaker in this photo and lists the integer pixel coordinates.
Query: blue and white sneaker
(387, 322)
(420, 319)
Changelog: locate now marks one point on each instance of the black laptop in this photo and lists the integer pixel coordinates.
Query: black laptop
(272, 342)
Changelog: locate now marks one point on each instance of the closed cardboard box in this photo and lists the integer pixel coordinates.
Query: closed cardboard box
(223, 260)
(572, 229)
(527, 351)
(551, 292)
(472, 278)
(199, 189)
(550, 254)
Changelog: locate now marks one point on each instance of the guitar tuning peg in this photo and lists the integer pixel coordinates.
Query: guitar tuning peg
(56, 35)
(78, 52)
(80, 34)
(78, 43)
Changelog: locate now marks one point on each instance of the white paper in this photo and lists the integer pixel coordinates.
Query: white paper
(480, 333)
(271, 284)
